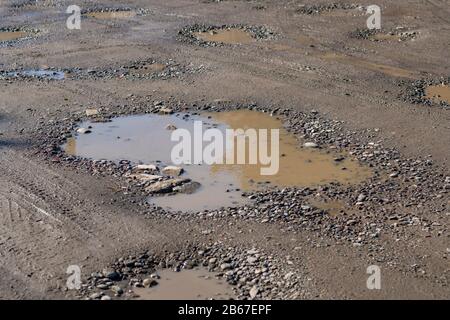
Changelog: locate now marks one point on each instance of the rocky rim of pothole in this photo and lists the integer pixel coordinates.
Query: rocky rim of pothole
(30, 34)
(187, 34)
(171, 69)
(391, 200)
(312, 9)
(415, 91)
(250, 272)
(368, 34)
(137, 11)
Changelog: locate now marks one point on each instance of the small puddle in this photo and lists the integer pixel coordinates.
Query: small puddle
(385, 37)
(41, 74)
(106, 15)
(440, 92)
(146, 139)
(12, 35)
(389, 70)
(194, 284)
(228, 36)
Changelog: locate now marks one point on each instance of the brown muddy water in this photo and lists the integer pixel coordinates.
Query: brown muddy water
(11, 35)
(440, 92)
(111, 14)
(148, 69)
(195, 284)
(145, 139)
(228, 36)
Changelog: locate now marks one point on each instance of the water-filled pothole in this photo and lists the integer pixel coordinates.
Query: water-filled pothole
(228, 36)
(146, 139)
(438, 93)
(12, 35)
(194, 284)
(107, 15)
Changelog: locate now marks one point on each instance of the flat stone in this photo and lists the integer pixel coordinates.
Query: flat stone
(165, 110)
(254, 292)
(172, 170)
(146, 167)
(188, 188)
(310, 145)
(165, 186)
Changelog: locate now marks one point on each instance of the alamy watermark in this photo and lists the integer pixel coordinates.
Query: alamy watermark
(374, 280)
(374, 20)
(74, 280)
(73, 22)
(235, 146)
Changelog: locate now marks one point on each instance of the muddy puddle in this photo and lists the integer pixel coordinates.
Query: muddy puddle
(438, 93)
(382, 68)
(38, 73)
(194, 284)
(227, 36)
(107, 15)
(146, 139)
(12, 35)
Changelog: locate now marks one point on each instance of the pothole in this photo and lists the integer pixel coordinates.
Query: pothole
(114, 13)
(429, 92)
(207, 35)
(331, 8)
(46, 74)
(206, 187)
(438, 93)
(207, 271)
(10, 35)
(194, 284)
(397, 35)
(228, 36)
(146, 69)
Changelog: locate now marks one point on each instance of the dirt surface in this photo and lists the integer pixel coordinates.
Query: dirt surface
(53, 215)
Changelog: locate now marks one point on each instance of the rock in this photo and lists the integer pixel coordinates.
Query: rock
(361, 197)
(149, 282)
(171, 127)
(188, 188)
(96, 295)
(225, 266)
(117, 290)
(393, 175)
(288, 275)
(172, 170)
(310, 145)
(165, 110)
(165, 186)
(91, 112)
(252, 260)
(212, 261)
(106, 298)
(111, 274)
(146, 167)
(253, 292)
(83, 131)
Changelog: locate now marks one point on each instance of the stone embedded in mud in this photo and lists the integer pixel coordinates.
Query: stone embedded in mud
(165, 186)
(164, 110)
(83, 131)
(146, 167)
(172, 170)
(171, 127)
(149, 282)
(310, 145)
(188, 188)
